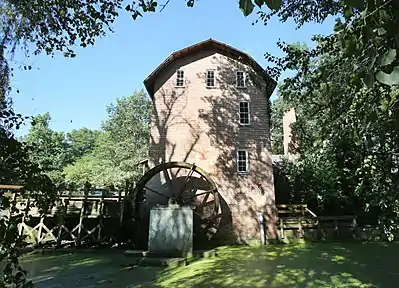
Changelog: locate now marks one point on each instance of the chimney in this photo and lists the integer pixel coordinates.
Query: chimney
(288, 118)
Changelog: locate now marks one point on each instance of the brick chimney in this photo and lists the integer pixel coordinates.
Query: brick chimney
(288, 118)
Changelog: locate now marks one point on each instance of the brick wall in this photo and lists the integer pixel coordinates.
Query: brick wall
(200, 125)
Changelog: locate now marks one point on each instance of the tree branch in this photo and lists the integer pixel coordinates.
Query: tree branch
(164, 5)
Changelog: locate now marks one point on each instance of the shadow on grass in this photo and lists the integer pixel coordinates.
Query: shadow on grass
(304, 266)
(318, 265)
(94, 269)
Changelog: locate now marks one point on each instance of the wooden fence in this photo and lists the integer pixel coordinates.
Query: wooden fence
(299, 219)
(73, 220)
(86, 219)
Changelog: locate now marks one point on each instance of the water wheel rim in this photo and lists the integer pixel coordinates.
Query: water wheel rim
(141, 188)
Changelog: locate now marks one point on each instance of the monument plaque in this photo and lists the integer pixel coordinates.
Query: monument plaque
(171, 230)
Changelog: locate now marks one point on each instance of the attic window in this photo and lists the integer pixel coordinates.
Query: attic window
(244, 113)
(210, 78)
(240, 79)
(180, 78)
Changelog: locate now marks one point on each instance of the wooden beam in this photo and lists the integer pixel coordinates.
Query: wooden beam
(11, 187)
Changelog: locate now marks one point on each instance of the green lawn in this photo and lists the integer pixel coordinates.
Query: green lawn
(316, 265)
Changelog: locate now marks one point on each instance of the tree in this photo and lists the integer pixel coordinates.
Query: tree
(348, 134)
(50, 150)
(81, 142)
(276, 126)
(118, 149)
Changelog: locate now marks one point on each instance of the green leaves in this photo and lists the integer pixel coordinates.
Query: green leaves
(259, 3)
(388, 79)
(388, 57)
(359, 4)
(246, 6)
(117, 148)
(273, 4)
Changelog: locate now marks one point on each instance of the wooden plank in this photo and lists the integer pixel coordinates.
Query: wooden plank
(290, 211)
(101, 219)
(285, 206)
(49, 233)
(89, 198)
(39, 232)
(11, 187)
(310, 212)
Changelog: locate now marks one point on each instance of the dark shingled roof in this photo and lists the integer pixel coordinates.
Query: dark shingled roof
(219, 46)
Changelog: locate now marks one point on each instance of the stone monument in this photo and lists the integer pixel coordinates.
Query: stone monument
(171, 230)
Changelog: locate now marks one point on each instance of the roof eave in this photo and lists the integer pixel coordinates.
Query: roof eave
(149, 81)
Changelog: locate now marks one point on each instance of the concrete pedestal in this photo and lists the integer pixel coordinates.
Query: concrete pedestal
(171, 230)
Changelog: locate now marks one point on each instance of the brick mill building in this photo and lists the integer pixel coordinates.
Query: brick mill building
(211, 108)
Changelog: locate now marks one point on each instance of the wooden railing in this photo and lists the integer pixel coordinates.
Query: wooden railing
(52, 226)
(295, 216)
(300, 217)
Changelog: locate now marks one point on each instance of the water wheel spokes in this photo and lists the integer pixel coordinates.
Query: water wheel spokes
(184, 184)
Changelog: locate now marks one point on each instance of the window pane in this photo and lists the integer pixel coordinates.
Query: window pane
(242, 161)
(244, 119)
(240, 79)
(180, 78)
(244, 112)
(244, 106)
(210, 78)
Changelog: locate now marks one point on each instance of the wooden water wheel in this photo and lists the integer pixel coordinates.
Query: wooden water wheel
(183, 184)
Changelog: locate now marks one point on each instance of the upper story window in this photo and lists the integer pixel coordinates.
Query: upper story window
(241, 79)
(244, 113)
(180, 78)
(210, 78)
(242, 161)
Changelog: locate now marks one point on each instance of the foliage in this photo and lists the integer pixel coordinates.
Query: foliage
(81, 141)
(276, 127)
(16, 168)
(48, 147)
(122, 144)
(59, 25)
(347, 104)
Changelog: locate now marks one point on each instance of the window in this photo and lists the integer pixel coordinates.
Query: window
(240, 79)
(242, 161)
(180, 78)
(210, 78)
(244, 113)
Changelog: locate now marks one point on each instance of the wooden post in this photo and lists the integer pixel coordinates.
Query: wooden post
(282, 228)
(300, 228)
(26, 212)
(101, 217)
(13, 204)
(39, 232)
(61, 222)
(122, 205)
(82, 214)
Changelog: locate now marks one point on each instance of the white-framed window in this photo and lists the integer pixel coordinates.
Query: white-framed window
(242, 161)
(210, 78)
(245, 118)
(241, 79)
(179, 78)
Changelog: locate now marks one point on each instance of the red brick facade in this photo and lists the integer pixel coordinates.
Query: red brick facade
(200, 125)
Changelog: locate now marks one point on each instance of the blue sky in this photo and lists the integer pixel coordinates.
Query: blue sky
(76, 91)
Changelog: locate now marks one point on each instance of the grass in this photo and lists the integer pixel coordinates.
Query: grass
(277, 266)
